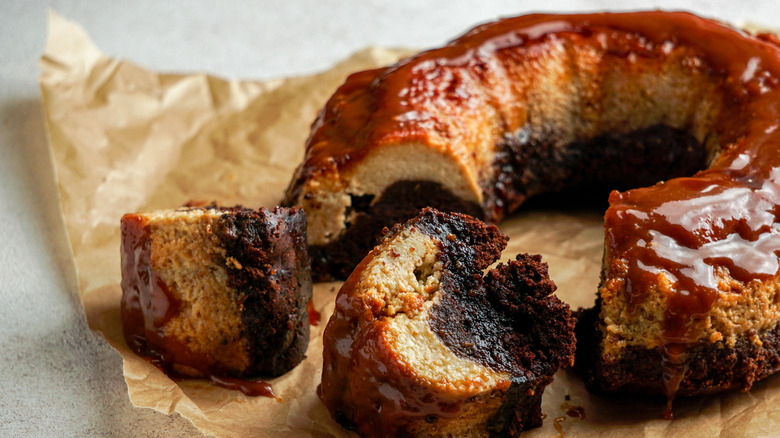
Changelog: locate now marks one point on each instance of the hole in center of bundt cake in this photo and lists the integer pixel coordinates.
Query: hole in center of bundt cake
(580, 174)
(528, 166)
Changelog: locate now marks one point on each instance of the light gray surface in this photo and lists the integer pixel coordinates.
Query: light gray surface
(57, 378)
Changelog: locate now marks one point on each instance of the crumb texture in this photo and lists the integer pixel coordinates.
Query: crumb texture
(189, 259)
(268, 264)
(406, 351)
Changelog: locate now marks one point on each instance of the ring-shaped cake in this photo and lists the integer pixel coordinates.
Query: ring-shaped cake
(688, 301)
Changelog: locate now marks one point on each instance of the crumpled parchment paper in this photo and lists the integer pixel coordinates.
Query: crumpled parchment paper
(126, 139)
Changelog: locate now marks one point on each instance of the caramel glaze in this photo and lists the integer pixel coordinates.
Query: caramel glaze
(402, 398)
(724, 217)
(410, 99)
(147, 305)
(314, 315)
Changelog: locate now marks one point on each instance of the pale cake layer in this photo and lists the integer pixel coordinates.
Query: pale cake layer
(411, 161)
(402, 281)
(390, 283)
(190, 259)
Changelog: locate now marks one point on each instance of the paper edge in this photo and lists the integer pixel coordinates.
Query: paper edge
(71, 271)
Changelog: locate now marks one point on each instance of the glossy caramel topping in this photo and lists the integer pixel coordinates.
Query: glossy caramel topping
(688, 228)
(688, 232)
(433, 92)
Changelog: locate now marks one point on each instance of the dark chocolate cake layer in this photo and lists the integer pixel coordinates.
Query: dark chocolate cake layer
(272, 275)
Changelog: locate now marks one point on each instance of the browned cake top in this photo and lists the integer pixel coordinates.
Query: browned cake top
(420, 97)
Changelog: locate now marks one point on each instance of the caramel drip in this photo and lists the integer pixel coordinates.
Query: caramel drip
(251, 388)
(675, 365)
(147, 304)
(314, 315)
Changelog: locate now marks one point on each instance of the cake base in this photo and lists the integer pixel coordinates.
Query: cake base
(706, 368)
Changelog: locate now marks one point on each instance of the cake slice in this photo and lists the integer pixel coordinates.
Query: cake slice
(215, 291)
(424, 343)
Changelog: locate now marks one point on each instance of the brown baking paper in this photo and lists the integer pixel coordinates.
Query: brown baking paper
(127, 139)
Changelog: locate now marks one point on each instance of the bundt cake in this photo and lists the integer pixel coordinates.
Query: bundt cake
(423, 343)
(217, 291)
(688, 301)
